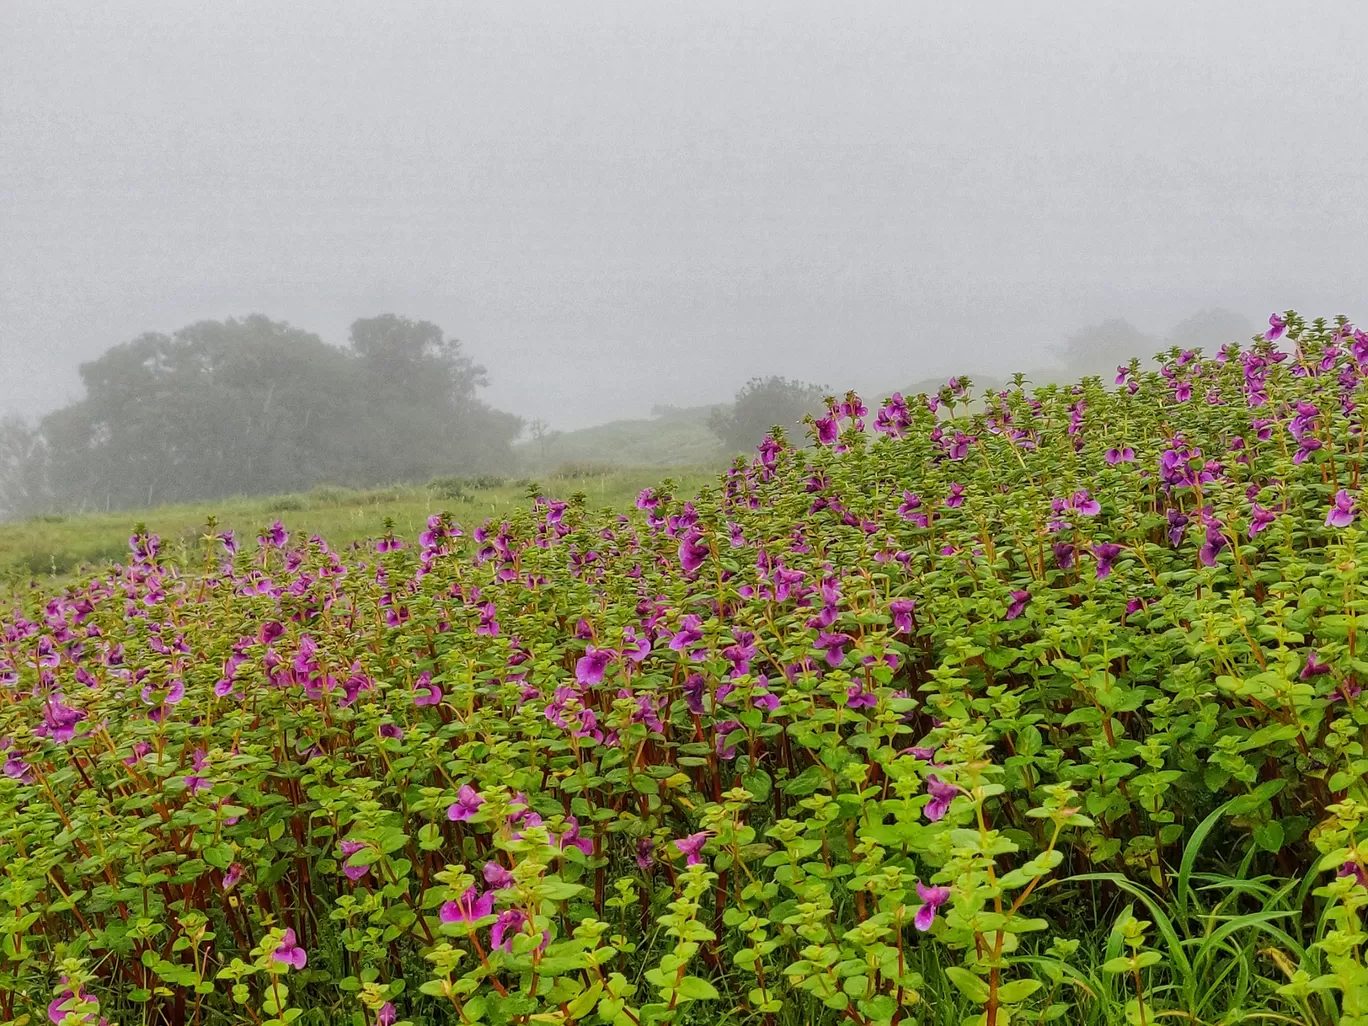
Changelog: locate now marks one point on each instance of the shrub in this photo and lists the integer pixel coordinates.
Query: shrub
(1046, 711)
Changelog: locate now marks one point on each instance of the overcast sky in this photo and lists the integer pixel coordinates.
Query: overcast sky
(617, 204)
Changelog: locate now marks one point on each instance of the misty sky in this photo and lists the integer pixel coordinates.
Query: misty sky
(617, 204)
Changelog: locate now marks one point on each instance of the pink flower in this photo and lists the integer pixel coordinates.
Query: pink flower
(469, 907)
(1342, 512)
(468, 802)
(509, 924)
(350, 848)
(692, 846)
(572, 837)
(1018, 604)
(589, 667)
(289, 952)
(933, 898)
(942, 794)
(62, 1006)
(425, 692)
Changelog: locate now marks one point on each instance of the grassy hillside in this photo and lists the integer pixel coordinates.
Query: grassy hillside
(675, 438)
(54, 544)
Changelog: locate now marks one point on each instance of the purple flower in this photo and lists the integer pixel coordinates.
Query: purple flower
(1215, 542)
(1018, 604)
(858, 698)
(274, 535)
(761, 698)
(350, 848)
(506, 927)
(497, 876)
(1178, 523)
(932, 898)
(425, 692)
(1085, 504)
(62, 1005)
(1342, 512)
(828, 431)
(232, 876)
(902, 615)
(1115, 456)
(634, 648)
(689, 632)
(956, 497)
(1276, 328)
(387, 1016)
(645, 853)
(834, 647)
(1105, 553)
(723, 730)
(942, 794)
(1314, 667)
(911, 510)
(692, 846)
(1355, 869)
(468, 802)
(693, 551)
(694, 688)
(289, 952)
(1064, 554)
(572, 837)
(1260, 519)
(1305, 447)
(741, 653)
(590, 666)
(469, 907)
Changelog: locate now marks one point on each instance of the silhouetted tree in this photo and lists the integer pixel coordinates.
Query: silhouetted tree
(257, 406)
(763, 403)
(23, 469)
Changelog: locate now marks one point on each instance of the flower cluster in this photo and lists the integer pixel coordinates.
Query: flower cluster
(752, 747)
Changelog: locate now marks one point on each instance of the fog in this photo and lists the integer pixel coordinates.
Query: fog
(614, 205)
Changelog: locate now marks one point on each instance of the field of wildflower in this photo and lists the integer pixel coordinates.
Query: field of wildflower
(1039, 707)
(60, 544)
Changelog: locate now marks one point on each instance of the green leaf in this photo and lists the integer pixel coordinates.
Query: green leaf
(1017, 991)
(694, 988)
(971, 986)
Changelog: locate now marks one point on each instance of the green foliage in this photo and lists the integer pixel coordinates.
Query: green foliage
(762, 404)
(1045, 707)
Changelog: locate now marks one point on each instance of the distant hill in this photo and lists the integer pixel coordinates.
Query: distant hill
(677, 436)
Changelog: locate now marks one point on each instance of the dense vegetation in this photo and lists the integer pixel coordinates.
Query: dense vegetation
(1046, 712)
(57, 544)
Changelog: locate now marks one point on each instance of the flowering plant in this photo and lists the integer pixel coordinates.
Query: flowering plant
(908, 719)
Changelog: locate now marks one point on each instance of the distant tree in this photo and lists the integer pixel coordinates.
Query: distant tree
(421, 403)
(543, 437)
(1100, 348)
(763, 403)
(1209, 330)
(23, 469)
(255, 406)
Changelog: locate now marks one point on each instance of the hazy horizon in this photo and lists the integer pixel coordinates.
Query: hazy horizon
(615, 205)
